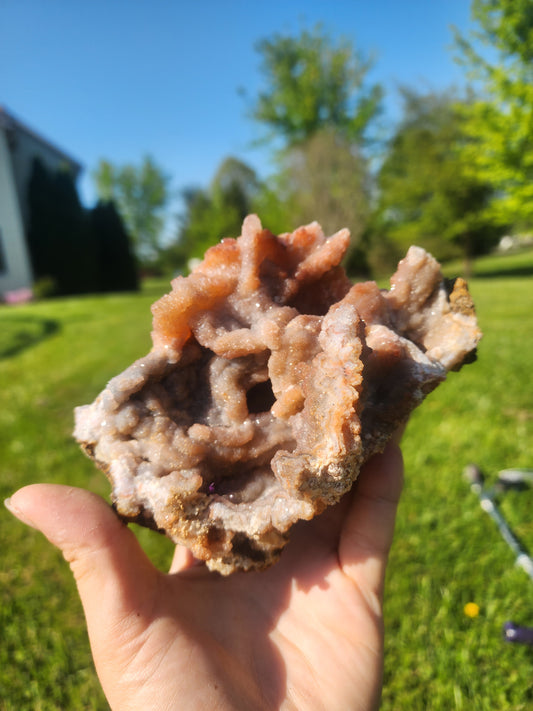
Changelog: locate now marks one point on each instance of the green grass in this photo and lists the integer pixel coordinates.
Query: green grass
(519, 263)
(447, 551)
(58, 354)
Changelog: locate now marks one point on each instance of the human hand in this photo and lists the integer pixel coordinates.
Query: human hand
(306, 634)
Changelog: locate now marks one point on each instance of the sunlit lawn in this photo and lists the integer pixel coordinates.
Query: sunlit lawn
(58, 354)
(447, 551)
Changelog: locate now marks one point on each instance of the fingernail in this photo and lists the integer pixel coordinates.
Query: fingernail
(18, 514)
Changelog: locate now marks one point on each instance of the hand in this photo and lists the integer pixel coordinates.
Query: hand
(305, 634)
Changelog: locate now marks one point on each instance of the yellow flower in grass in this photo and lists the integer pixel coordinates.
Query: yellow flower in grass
(471, 609)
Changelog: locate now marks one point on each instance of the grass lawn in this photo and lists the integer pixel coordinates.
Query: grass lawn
(58, 354)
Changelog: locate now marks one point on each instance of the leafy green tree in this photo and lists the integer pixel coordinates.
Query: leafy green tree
(319, 106)
(499, 57)
(214, 213)
(325, 178)
(141, 194)
(427, 194)
(313, 82)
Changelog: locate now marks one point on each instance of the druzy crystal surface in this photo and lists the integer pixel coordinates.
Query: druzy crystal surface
(271, 380)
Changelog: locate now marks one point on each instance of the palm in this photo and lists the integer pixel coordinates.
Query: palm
(305, 634)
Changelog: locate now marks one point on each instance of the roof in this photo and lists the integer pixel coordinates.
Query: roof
(8, 122)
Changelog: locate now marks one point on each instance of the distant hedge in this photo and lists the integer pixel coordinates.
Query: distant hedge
(77, 251)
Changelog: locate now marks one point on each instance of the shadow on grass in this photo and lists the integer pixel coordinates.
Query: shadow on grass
(516, 271)
(20, 332)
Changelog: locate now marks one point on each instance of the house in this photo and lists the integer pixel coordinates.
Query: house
(19, 147)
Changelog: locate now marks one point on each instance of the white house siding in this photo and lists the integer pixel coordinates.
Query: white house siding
(16, 272)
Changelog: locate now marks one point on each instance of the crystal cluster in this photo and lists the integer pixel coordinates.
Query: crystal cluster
(271, 380)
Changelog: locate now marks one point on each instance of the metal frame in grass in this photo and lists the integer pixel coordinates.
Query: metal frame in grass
(507, 479)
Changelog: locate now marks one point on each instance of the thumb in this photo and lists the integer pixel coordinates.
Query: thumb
(115, 579)
(369, 526)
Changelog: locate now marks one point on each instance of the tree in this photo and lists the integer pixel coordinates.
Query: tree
(325, 178)
(427, 194)
(117, 270)
(313, 83)
(235, 183)
(214, 213)
(59, 237)
(500, 125)
(318, 104)
(73, 250)
(141, 194)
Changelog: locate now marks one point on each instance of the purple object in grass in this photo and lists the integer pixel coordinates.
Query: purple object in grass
(516, 633)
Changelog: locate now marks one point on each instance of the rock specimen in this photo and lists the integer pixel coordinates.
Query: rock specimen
(271, 380)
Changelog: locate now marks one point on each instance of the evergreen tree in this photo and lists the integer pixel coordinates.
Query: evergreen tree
(76, 251)
(59, 238)
(117, 269)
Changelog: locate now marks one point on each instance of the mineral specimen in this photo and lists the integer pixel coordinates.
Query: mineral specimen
(271, 380)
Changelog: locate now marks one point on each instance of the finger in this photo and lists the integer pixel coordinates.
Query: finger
(182, 560)
(399, 433)
(369, 526)
(115, 579)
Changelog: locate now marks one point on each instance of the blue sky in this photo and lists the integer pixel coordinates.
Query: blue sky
(122, 78)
